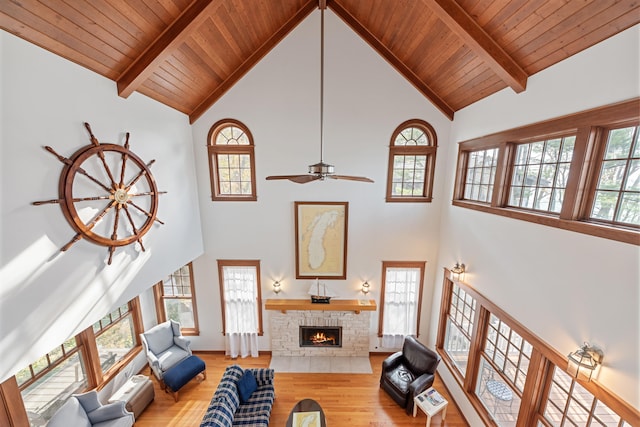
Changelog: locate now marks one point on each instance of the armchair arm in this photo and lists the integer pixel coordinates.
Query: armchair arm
(417, 386)
(392, 361)
(109, 412)
(183, 343)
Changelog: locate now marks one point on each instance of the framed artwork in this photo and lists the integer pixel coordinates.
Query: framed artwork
(321, 240)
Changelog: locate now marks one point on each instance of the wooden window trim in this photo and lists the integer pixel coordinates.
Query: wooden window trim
(542, 357)
(161, 314)
(213, 150)
(401, 264)
(240, 263)
(428, 150)
(588, 127)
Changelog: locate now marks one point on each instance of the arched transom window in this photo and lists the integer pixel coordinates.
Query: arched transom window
(231, 161)
(412, 160)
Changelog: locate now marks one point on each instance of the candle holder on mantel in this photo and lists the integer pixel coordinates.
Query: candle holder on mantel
(317, 298)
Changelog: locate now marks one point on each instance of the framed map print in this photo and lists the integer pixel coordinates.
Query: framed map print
(321, 240)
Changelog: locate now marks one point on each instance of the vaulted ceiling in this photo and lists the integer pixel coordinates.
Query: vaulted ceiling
(188, 53)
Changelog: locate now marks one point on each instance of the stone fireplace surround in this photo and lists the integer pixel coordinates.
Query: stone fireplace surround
(284, 332)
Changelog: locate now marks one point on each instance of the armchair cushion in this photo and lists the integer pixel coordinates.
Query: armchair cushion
(409, 372)
(159, 339)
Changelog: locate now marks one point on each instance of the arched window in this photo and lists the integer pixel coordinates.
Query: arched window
(231, 161)
(412, 160)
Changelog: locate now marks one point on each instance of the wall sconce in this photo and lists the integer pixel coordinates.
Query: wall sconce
(458, 270)
(365, 287)
(277, 287)
(584, 362)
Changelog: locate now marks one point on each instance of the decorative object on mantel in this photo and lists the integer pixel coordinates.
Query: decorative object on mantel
(458, 271)
(316, 298)
(355, 305)
(86, 202)
(321, 170)
(321, 239)
(584, 362)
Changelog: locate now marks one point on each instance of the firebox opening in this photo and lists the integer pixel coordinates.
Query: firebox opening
(320, 336)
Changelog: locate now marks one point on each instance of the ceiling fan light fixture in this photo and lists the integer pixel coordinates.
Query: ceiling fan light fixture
(320, 171)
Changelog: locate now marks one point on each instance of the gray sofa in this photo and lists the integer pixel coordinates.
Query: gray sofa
(85, 410)
(227, 408)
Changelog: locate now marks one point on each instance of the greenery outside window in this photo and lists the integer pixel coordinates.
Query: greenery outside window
(115, 336)
(176, 299)
(481, 173)
(412, 159)
(579, 172)
(617, 193)
(231, 162)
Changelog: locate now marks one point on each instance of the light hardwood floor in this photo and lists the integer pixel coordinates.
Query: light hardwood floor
(348, 400)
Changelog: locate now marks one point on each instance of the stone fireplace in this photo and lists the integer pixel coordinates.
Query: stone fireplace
(320, 336)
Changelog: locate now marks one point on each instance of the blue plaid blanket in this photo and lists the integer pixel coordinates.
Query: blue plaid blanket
(225, 409)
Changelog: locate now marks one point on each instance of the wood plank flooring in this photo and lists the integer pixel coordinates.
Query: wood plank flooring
(348, 400)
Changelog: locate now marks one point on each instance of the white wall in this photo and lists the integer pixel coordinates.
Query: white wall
(565, 287)
(279, 101)
(47, 296)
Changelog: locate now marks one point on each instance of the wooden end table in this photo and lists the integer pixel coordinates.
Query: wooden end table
(421, 401)
(137, 393)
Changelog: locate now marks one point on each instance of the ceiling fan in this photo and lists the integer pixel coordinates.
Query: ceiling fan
(321, 170)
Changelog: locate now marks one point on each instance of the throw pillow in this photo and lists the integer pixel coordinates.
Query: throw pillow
(247, 385)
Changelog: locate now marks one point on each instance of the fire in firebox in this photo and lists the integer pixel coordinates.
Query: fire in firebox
(316, 336)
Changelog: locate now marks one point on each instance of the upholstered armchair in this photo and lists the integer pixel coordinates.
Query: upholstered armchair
(409, 372)
(165, 346)
(85, 410)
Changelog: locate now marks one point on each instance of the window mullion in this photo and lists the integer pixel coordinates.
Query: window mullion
(576, 198)
(503, 172)
(86, 341)
(534, 392)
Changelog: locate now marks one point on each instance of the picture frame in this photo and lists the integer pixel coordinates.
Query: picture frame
(321, 230)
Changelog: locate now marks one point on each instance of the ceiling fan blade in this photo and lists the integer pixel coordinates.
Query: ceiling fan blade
(350, 178)
(300, 179)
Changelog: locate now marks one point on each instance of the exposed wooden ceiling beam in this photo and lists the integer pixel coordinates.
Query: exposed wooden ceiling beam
(172, 37)
(252, 60)
(395, 62)
(459, 21)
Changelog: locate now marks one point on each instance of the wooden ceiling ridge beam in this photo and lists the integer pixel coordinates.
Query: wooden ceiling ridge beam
(162, 47)
(500, 62)
(391, 58)
(252, 60)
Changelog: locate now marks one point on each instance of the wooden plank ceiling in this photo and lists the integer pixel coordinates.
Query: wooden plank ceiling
(188, 53)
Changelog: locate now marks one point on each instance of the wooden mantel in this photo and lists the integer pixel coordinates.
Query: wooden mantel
(354, 305)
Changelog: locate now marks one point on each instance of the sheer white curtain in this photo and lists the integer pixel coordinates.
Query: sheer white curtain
(400, 305)
(241, 311)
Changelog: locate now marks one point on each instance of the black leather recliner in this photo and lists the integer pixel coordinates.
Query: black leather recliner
(409, 372)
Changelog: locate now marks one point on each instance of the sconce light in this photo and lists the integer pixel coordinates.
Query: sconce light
(584, 362)
(458, 270)
(276, 287)
(365, 287)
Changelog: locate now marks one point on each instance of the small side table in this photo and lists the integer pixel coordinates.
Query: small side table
(421, 401)
(137, 393)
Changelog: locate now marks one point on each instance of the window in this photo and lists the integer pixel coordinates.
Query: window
(617, 193)
(512, 377)
(579, 172)
(231, 162)
(568, 403)
(116, 336)
(49, 381)
(412, 159)
(176, 300)
(240, 292)
(401, 299)
(481, 173)
(540, 173)
(459, 326)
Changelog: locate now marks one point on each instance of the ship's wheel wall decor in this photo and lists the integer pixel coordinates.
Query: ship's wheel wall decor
(107, 194)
